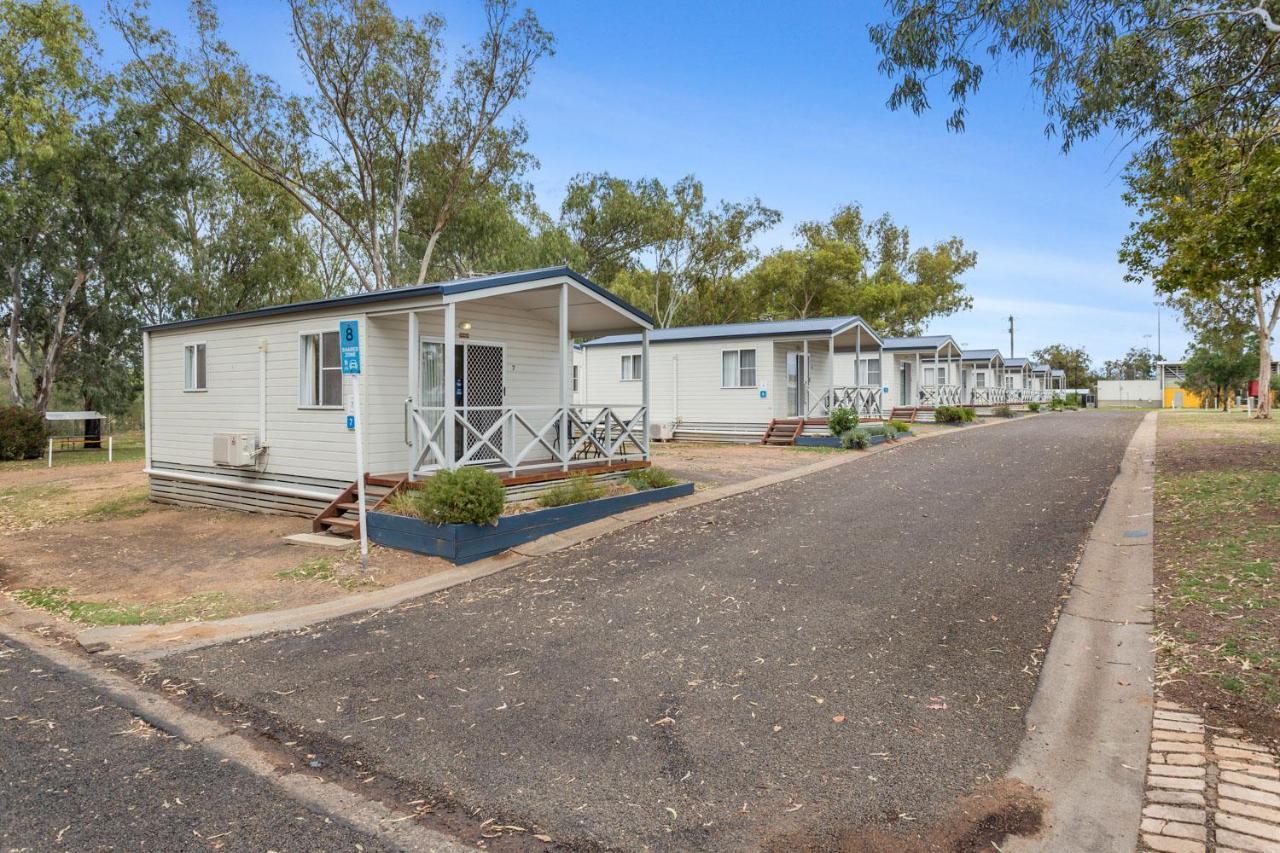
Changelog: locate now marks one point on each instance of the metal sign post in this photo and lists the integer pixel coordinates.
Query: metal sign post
(349, 344)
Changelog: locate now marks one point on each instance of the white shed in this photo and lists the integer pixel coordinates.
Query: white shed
(731, 381)
(249, 410)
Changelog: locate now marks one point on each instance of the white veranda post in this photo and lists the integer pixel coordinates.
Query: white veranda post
(831, 372)
(411, 401)
(450, 382)
(644, 389)
(566, 365)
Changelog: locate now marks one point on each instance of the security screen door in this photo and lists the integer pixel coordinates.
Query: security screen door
(478, 382)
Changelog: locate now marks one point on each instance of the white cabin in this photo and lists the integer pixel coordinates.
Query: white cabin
(923, 372)
(251, 409)
(730, 381)
(982, 379)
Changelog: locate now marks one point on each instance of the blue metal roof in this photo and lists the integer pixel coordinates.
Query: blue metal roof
(1015, 362)
(759, 329)
(980, 355)
(930, 342)
(441, 288)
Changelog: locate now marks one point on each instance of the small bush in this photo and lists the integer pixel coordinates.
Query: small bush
(465, 496)
(1002, 412)
(948, 414)
(1033, 407)
(1073, 400)
(653, 477)
(1057, 405)
(23, 433)
(856, 439)
(886, 430)
(900, 426)
(968, 415)
(575, 490)
(841, 420)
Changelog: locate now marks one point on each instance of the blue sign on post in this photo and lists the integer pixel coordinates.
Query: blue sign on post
(349, 345)
(763, 393)
(351, 422)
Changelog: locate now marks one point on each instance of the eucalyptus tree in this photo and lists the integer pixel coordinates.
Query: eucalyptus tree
(381, 90)
(848, 265)
(1074, 362)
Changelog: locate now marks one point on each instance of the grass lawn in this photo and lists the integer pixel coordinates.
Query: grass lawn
(127, 447)
(1217, 553)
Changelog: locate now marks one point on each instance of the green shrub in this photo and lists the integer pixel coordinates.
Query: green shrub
(900, 426)
(1056, 404)
(948, 415)
(856, 439)
(887, 430)
(1002, 412)
(841, 420)
(575, 490)
(23, 433)
(968, 414)
(1033, 407)
(466, 496)
(653, 477)
(1073, 400)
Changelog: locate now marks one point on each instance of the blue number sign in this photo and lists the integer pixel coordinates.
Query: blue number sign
(349, 344)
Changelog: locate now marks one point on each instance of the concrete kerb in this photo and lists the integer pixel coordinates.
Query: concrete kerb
(1090, 718)
(148, 642)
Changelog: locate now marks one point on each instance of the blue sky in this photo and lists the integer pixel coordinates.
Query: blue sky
(783, 102)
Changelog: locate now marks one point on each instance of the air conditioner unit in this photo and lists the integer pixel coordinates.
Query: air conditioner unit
(666, 432)
(235, 449)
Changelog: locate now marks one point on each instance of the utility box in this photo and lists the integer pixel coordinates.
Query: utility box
(235, 449)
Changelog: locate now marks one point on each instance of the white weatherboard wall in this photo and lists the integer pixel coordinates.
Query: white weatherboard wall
(312, 446)
(1130, 392)
(698, 395)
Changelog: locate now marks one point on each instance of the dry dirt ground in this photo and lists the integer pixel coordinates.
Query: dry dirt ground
(1217, 554)
(91, 531)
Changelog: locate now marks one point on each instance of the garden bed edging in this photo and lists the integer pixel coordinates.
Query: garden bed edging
(466, 543)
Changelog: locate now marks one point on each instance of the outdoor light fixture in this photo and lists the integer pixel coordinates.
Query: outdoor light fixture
(464, 326)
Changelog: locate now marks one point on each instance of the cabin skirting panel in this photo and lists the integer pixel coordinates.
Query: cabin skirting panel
(217, 488)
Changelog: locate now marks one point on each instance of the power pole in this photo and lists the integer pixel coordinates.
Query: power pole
(1010, 336)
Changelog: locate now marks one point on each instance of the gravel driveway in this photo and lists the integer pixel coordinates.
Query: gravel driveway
(842, 652)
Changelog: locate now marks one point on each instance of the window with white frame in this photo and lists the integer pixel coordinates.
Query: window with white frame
(942, 376)
(928, 376)
(319, 370)
(632, 368)
(193, 367)
(979, 379)
(873, 372)
(1008, 382)
(575, 379)
(738, 368)
(1026, 382)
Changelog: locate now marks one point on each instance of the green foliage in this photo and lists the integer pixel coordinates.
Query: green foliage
(900, 426)
(23, 433)
(1033, 406)
(841, 420)
(574, 490)
(856, 439)
(1073, 400)
(1220, 371)
(887, 430)
(666, 249)
(1002, 412)
(850, 266)
(1074, 362)
(948, 415)
(468, 495)
(1137, 363)
(653, 477)
(1056, 404)
(968, 414)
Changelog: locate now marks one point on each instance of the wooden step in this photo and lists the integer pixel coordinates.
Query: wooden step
(340, 524)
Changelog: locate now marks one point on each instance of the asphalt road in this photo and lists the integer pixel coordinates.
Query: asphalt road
(852, 649)
(82, 773)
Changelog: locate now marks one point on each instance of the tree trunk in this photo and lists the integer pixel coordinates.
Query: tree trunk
(1265, 327)
(11, 345)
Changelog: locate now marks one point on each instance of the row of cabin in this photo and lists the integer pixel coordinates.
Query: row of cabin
(253, 410)
(730, 381)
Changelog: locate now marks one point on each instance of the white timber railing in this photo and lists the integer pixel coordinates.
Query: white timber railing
(864, 400)
(518, 438)
(988, 396)
(940, 395)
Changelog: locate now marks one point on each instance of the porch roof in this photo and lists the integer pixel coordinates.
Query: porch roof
(816, 326)
(923, 343)
(983, 355)
(441, 289)
(1016, 363)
